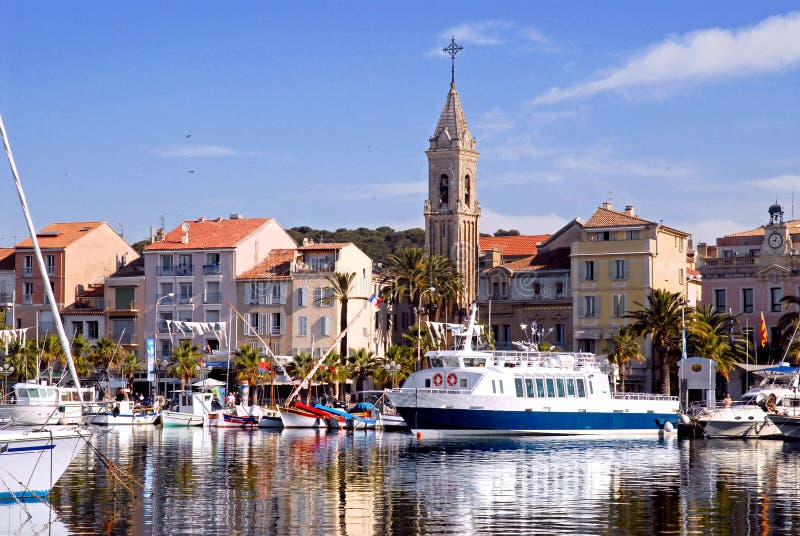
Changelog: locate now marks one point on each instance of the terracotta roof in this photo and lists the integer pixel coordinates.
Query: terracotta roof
(61, 235)
(555, 259)
(604, 217)
(6, 258)
(513, 245)
(135, 268)
(692, 271)
(277, 263)
(793, 225)
(324, 247)
(209, 234)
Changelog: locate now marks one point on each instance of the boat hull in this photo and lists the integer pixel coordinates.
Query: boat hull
(42, 415)
(32, 462)
(789, 426)
(391, 422)
(292, 418)
(227, 420)
(177, 418)
(740, 423)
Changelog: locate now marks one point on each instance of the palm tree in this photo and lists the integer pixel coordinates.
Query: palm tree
(362, 364)
(449, 284)
(52, 353)
(80, 355)
(247, 364)
(406, 275)
(341, 284)
(130, 364)
(301, 366)
(23, 359)
(661, 320)
(403, 357)
(102, 352)
(622, 349)
(331, 372)
(186, 358)
(788, 327)
(712, 335)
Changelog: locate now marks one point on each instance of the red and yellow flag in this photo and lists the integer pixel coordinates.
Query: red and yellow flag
(763, 330)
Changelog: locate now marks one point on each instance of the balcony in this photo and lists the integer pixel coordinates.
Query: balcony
(27, 271)
(212, 269)
(729, 261)
(728, 266)
(184, 269)
(314, 267)
(27, 299)
(212, 297)
(165, 270)
(183, 300)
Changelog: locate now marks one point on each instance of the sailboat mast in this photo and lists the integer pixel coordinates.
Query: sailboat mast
(62, 336)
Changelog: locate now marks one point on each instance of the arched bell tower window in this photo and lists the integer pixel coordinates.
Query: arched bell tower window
(444, 197)
(467, 190)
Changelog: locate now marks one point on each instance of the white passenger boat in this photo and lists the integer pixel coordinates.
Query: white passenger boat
(40, 404)
(31, 462)
(470, 392)
(748, 416)
(123, 412)
(192, 409)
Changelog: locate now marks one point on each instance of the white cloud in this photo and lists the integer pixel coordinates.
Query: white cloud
(599, 162)
(491, 123)
(491, 32)
(770, 45)
(779, 182)
(177, 151)
(377, 191)
(527, 224)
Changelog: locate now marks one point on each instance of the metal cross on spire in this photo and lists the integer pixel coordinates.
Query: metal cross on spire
(452, 49)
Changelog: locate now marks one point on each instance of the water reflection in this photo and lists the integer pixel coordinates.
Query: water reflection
(228, 481)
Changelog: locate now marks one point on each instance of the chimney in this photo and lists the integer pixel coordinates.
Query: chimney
(236, 216)
(629, 210)
(607, 206)
(201, 218)
(305, 241)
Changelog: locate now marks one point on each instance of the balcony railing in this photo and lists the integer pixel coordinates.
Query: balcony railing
(27, 299)
(211, 269)
(324, 267)
(730, 261)
(165, 270)
(27, 271)
(184, 269)
(183, 300)
(212, 297)
(6, 297)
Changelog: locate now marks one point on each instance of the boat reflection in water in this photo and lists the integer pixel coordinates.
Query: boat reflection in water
(223, 481)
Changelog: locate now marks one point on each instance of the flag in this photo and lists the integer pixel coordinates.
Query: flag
(763, 330)
(375, 300)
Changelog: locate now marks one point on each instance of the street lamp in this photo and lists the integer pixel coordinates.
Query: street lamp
(155, 332)
(392, 368)
(200, 370)
(419, 324)
(6, 370)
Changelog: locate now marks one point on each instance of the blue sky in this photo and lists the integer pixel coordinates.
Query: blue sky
(319, 113)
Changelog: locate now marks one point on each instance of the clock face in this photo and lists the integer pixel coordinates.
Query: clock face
(775, 240)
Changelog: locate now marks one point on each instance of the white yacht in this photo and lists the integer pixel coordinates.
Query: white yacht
(747, 417)
(471, 392)
(41, 404)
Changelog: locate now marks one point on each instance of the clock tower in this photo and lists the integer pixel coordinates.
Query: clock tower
(777, 240)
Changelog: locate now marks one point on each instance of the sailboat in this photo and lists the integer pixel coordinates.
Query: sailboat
(31, 462)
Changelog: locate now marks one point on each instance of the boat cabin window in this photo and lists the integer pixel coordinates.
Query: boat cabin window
(551, 388)
(65, 397)
(540, 387)
(463, 383)
(581, 388)
(427, 383)
(436, 362)
(518, 386)
(591, 388)
(31, 393)
(494, 387)
(88, 396)
(560, 386)
(570, 387)
(474, 362)
(529, 388)
(500, 383)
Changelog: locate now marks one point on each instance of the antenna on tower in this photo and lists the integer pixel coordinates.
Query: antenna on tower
(163, 220)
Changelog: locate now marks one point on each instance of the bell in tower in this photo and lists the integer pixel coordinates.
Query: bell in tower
(775, 214)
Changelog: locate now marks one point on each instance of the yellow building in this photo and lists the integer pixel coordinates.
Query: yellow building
(619, 258)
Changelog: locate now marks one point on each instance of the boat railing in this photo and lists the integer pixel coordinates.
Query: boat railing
(517, 358)
(642, 396)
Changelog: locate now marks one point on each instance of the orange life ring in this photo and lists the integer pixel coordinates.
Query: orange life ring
(437, 379)
(452, 379)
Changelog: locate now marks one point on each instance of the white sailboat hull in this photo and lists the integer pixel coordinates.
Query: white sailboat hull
(32, 462)
(294, 419)
(177, 418)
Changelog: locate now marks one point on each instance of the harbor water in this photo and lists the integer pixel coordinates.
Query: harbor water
(230, 481)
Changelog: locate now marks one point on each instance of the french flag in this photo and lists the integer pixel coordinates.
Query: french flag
(375, 300)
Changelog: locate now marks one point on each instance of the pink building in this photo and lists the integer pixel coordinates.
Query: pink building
(748, 272)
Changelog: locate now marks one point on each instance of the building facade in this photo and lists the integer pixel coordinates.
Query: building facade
(288, 303)
(76, 255)
(619, 259)
(191, 277)
(747, 273)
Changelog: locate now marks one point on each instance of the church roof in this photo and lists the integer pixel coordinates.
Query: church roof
(512, 246)
(452, 130)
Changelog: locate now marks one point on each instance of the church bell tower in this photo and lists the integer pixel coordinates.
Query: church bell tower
(452, 211)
